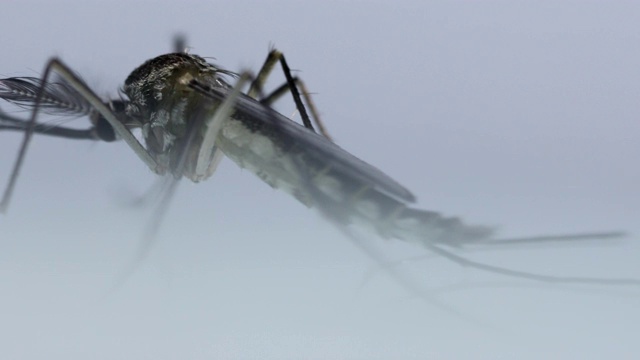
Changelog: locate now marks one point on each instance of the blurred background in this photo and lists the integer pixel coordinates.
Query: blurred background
(522, 115)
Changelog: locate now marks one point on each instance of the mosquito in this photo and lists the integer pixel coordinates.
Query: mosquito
(190, 116)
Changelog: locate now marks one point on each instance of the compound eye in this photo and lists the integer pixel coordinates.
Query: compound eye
(104, 130)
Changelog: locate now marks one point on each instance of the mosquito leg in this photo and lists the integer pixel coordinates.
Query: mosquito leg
(526, 275)
(284, 88)
(150, 235)
(103, 109)
(293, 85)
(7, 122)
(557, 238)
(180, 43)
(207, 160)
(67, 75)
(257, 85)
(491, 245)
(161, 186)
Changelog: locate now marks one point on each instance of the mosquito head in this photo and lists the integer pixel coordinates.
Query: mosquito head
(164, 104)
(151, 83)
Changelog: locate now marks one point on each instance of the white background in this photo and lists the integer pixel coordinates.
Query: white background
(518, 114)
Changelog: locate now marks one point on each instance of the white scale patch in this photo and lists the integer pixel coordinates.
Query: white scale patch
(158, 88)
(159, 118)
(235, 132)
(238, 134)
(407, 223)
(330, 186)
(367, 208)
(260, 156)
(263, 147)
(177, 112)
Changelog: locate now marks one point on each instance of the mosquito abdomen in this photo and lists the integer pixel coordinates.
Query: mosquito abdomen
(325, 183)
(390, 217)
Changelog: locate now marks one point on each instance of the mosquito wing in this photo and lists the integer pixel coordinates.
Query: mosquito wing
(321, 174)
(265, 141)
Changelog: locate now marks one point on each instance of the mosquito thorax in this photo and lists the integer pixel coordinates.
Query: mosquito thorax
(163, 102)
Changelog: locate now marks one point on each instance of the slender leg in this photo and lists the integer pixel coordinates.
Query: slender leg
(8, 122)
(67, 75)
(207, 159)
(282, 89)
(526, 275)
(180, 43)
(292, 84)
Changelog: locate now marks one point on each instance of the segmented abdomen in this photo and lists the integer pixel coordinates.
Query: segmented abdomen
(320, 174)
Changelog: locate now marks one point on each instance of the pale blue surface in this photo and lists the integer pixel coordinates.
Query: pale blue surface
(521, 115)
